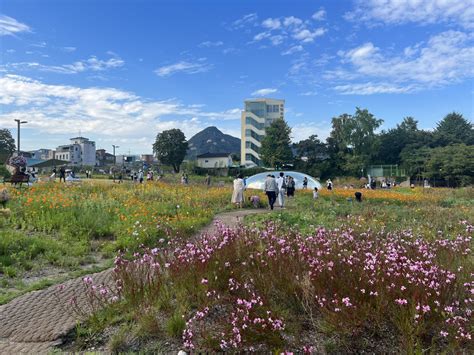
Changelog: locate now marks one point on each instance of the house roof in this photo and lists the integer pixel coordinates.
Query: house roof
(213, 155)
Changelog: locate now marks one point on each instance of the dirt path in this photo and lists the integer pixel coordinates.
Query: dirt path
(35, 322)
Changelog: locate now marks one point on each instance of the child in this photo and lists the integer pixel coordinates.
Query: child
(4, 197)
(255, 200)
(315, 194)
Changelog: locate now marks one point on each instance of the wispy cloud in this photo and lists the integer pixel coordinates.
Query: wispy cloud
(106, 113)
(306, 35)
(244, 21)
(446, 58)
(319, 15)
(208, 44)
(374, 88)
(264, 92)
(291, 30)
(292, 50)
(91, 64)
(184, 67)
(456, 12)
(10, 26)
(309, 93)
(69, 49)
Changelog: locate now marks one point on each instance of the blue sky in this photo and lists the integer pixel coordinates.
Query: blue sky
(119, 72)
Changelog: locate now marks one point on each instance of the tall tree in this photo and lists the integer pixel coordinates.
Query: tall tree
(311, 156)
(276, 150)
(170, 147)
(393, 141)
(453, 163)
(7, 144)
(354, 139)
(454, 128)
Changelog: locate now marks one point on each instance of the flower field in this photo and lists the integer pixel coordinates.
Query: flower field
(54, 228)
(393, 273)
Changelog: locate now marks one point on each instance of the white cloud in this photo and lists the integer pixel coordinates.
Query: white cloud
(319, 15)
(302, 131)
(271, 23)
(184, 67)
(362, 52)
(309, 93)
(447, 58)
(277, 39)
(211, 44)
(244, 21)
(292, 21)
(10, 26)
(306, 35)
(457, 12)
(292, 50)
(292, 30)
(69, 49)
(91, 64)
(106, 113)
(261, 35)
(264, 92)
(374, 88)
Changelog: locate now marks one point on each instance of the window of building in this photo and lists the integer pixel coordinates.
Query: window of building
(251, 121)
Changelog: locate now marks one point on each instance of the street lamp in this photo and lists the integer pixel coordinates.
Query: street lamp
(19, 122)
(115, 159)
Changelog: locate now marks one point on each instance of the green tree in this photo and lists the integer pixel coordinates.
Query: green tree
(311, 156)
(453, 163)
(452, 129)
(354, 141)
(170, 148)
(7, 145)
(276, 150)
(393, 141)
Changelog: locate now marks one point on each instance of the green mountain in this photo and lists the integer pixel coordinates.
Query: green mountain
(211, 140)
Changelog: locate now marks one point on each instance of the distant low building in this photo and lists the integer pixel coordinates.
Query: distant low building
(43, 154)
(214, 160)
(126, 159)
(103, 158)
(80, 152)
(147, 158)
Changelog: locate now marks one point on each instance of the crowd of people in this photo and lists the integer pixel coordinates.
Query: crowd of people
(277, 189)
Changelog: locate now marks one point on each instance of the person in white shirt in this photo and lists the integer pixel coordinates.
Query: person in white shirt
(281, 189)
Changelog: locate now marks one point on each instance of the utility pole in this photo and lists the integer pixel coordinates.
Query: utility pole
(115, 158)
(18, 139)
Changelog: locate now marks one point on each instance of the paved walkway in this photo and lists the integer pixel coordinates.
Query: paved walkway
(35, 322)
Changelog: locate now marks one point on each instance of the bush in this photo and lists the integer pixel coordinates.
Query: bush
(4, 172)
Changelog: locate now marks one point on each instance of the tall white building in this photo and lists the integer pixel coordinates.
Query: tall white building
(81, 152)
(257, 115)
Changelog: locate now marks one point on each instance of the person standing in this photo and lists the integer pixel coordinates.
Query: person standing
(290, 189)
(315, 193)
(140, 176)
(62, 174)
(238, 193)
(281, 183)
(305, 183)
(329, 184)
(208, 180)
(270, 188)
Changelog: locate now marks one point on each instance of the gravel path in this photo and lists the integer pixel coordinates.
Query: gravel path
(35, 322)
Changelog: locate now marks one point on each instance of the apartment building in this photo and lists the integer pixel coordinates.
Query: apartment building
(81, 152)
(256, 116)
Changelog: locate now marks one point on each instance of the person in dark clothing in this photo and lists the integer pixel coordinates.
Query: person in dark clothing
(358, 196)
(62, 174)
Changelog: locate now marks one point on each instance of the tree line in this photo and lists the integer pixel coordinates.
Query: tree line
(445, 154)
